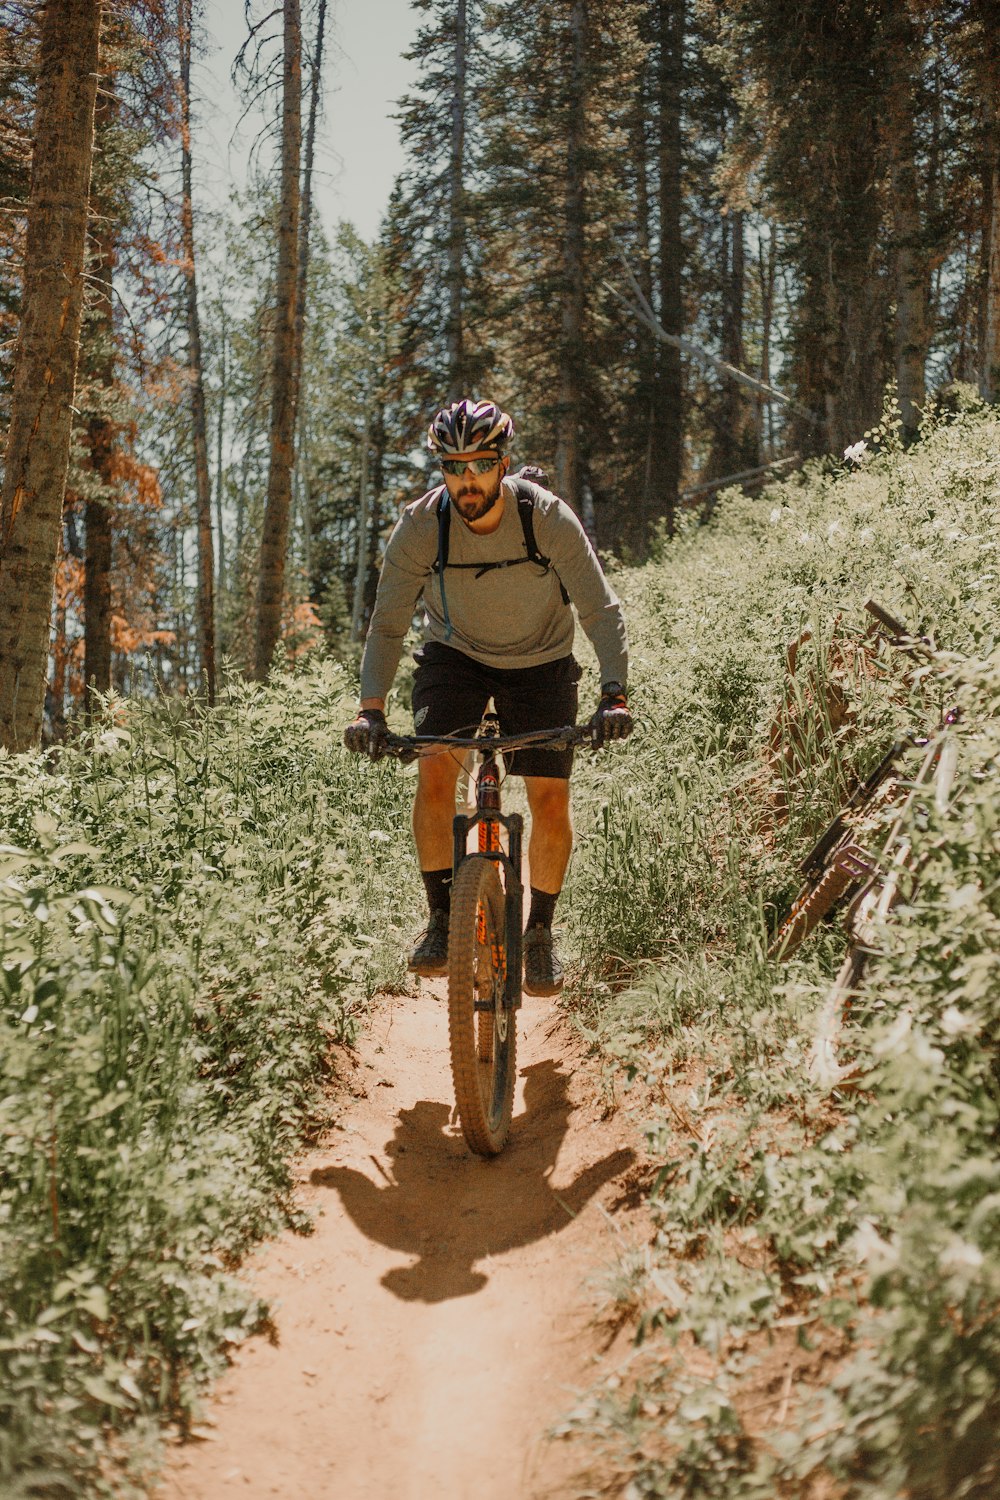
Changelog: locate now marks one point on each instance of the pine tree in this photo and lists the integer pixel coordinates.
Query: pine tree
(274, 541)
(556, 183)
(199, 421)
(433, 235)
(813, 79)
(46, 360)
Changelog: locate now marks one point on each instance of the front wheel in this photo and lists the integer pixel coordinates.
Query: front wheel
(483, 1042)
(809, 908)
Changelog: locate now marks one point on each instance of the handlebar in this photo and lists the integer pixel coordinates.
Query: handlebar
(411, 747)
(899, 634)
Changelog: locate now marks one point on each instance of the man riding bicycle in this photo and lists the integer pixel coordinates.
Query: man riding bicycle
(492, 629)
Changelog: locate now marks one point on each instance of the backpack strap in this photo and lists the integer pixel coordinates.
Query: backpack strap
(441, 561)
(525, 496)
(526, 511)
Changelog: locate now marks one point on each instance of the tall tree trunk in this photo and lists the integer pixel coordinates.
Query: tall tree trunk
(377, 486)
(911, 276)
(668, 389)
(46, 360)
(199, 422)
(569, 468)
(220, 481)
(989, 356)
(302, 274)
(635, 520)
(274, 542)
(764, 410)
(456, 212)
(733, 447)
(910, 262)
(101, 439)
(361, 568)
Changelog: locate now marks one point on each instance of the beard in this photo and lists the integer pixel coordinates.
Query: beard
(472, 504)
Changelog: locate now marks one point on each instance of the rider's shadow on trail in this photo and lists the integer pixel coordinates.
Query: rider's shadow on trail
(452, 1210)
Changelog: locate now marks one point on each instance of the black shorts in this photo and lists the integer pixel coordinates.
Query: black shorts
(451, 690)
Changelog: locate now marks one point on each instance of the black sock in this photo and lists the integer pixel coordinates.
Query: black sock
(543, 908)
(437, 884)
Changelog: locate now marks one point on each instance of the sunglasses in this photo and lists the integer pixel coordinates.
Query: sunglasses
(459, 465)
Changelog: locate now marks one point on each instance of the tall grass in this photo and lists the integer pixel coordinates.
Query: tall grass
(194, 906)
(867, 1221)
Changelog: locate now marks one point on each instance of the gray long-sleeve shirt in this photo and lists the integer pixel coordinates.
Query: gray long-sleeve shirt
(509, 617)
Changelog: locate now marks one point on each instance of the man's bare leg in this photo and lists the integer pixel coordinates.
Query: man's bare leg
(548, 855)
(551, 839)
(434, 810)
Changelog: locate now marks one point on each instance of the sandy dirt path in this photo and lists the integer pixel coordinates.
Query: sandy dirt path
(440, 1318)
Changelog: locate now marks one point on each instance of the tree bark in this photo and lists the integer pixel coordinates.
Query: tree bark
(302, 274)
(569, 468)
(46, 360)
(361, 567)
(220, 434)
(668, 388)
(910, 262)
(989, 358)
(734, 448)
(196, 381)
(456, 212)
(377, 486)
(274, 542)
(767, 260)
(101, 440)
(635, 519)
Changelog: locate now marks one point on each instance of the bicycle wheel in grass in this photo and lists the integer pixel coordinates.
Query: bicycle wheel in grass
(809, 909)
(484, 1042)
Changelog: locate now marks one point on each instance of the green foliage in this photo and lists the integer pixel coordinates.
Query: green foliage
(866, 1221)
(194, 906)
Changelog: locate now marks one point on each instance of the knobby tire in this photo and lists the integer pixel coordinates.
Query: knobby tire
(483, 1043)
(809, 909)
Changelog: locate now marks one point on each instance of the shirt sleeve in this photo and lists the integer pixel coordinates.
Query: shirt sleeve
(561, 536)
(400, 585)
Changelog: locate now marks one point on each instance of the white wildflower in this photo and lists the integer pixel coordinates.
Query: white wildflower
(775, 515)
(961, 1256)
(871, 1249)
(855, 454)
(955, 1022)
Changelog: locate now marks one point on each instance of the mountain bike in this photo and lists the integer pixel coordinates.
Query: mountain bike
(838, 862)
(484, 933)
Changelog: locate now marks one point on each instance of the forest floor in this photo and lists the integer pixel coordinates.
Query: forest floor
(444, 1313)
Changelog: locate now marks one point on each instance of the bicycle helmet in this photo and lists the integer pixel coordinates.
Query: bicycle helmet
(467, 425)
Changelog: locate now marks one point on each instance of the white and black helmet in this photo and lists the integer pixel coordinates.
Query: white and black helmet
(467, 426)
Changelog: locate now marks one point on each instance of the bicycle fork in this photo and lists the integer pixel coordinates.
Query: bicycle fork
(489, 819)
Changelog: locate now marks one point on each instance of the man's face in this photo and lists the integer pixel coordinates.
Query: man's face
(474, 495)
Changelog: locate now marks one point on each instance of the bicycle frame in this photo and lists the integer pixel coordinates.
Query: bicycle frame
(489, 819)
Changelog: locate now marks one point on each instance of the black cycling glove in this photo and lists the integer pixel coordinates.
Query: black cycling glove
(367, 734)
(612, 721)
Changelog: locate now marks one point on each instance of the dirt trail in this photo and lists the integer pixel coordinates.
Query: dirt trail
(439, 1319)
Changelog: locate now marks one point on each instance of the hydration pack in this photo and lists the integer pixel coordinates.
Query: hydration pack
(525, 510)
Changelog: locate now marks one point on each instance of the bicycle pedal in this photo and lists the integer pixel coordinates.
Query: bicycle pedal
(483, 1005)
(854, 861)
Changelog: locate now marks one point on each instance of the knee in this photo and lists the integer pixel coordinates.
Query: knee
(436, 780)
(550, 802)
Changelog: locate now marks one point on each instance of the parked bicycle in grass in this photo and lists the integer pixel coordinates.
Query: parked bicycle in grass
(839, 862)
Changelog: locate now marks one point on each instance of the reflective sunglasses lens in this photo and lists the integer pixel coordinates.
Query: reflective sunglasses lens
(477, 465)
